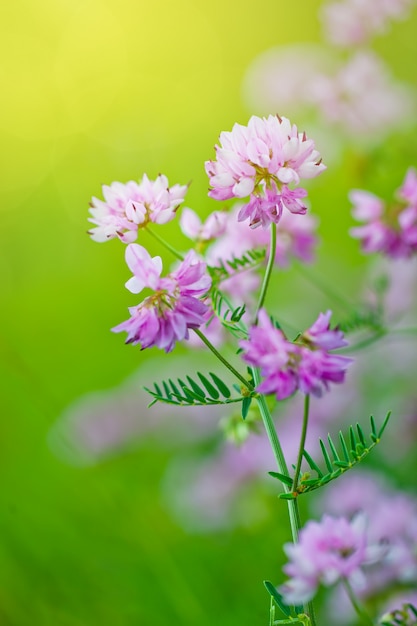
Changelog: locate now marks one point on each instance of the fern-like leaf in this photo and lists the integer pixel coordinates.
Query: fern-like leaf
(251, 259)
(209, 390)
(353, 448)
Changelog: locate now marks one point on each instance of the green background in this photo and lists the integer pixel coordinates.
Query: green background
(95, 91)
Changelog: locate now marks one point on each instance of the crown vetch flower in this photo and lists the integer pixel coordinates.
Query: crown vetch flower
(305, 364)
(164, 318)
(329, 550)
(260, 160)
(389, 228)
(127, 207)
(193, 228)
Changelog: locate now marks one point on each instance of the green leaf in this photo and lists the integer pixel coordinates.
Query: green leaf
(287, 496)
(344, 447)
(333, 449)
(282, 477)
(326, 456)
(174, 388)
(341, 464)
(246, 402)
(352, 438)
(207, 384)
(224, 390)
(337, 466)
(373, 427)
(361, 435)
(312, 463)
(277, 598)
(384, 425)
(197, 390)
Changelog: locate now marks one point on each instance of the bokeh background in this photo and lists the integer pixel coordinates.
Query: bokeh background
(95, 91)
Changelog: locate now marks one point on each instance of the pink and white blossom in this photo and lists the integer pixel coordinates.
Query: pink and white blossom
(361, 97)
(389, 228)
(353, 22)
(328, 551)
(128, 207)
(305, 364)
(261, 160)
(165, 317)
(193, 228)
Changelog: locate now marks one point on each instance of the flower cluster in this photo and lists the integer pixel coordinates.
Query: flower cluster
(193, 228)
(261, 160)
(328, 551)
(130, 206)
(389, 228)
(353, 22)
(164, 317)
(366, 493)
(305, 364)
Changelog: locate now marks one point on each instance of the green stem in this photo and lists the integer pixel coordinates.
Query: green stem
(293, 511)
(360, 611)
(302, 442)
(268, 272)
(168, 246)
(225, 362)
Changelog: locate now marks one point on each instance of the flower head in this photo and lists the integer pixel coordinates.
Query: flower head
(305, 364)
(164, 317)
(389, 228)
(128, 207)
(193, 228)
(328, 551)
(353, 22)
(261, 160)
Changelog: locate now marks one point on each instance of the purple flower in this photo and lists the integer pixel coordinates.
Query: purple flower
(389, 228)
(261, 160)
(305, 364)
(327, 552)
(164, 317)
(130, 206)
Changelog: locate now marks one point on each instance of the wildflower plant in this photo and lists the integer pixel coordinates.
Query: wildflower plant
(218, 292)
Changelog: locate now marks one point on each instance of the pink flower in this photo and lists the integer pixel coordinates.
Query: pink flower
(398, 533)
(361, 97)
(389, 228)
(164, 317)
(130, 206)
(353, 22)
(327, 552)
(322, 336)
(194, 229)
(305, 364)
(260, 160)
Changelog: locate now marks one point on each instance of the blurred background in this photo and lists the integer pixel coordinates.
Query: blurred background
(112, 514)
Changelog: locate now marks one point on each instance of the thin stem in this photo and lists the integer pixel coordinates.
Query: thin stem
(168, 246)
(268, 272)
(356, 604)
(302, 442)
(293, 511)
(221, 358)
